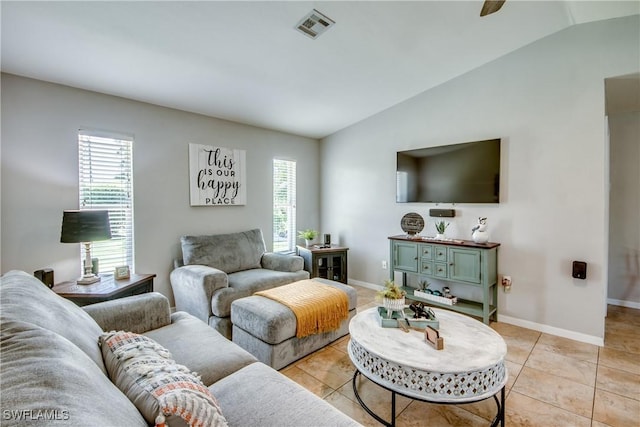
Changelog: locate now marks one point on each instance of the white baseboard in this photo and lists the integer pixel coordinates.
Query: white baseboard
(364, 284)
(623, 303)
(576, 336)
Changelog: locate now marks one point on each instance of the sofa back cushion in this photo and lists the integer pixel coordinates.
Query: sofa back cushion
(48, 381)
(25, 298)
(227, 252)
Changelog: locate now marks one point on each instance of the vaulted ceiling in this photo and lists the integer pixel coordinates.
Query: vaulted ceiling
(244, 61)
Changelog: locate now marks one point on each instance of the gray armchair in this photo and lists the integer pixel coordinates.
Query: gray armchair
(216, 270)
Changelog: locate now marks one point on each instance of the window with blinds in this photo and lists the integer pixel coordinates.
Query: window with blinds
(106, 182)
(284, 205)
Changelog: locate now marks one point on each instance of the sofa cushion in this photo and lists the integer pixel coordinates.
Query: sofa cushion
(25, 298)
(48, 381)
(245, 283)
(267, 395)
(201, 348)
(156, 384)
(227, 252)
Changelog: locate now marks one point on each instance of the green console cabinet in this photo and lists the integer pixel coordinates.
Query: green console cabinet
(460, 261)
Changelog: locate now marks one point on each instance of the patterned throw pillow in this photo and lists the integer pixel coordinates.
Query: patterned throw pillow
(144, 371)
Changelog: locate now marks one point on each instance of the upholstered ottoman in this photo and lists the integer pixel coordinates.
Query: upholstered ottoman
(267, 328)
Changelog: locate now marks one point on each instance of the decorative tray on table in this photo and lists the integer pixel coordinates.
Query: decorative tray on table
(392, 322)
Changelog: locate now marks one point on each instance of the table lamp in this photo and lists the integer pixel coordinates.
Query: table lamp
(85, 226)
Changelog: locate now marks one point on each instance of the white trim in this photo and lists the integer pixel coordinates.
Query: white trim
(623, 303)
(364, 284)
(576, 336)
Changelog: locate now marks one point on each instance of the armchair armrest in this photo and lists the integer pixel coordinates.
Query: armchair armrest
(282, 262)
(138, 313)
(193, 287)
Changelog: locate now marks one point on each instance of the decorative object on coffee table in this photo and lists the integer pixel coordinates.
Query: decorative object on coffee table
(392, 297)
(412, 224)
(85, 226)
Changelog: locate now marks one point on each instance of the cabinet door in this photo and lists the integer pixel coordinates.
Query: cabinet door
(464, 265)
(405, 256)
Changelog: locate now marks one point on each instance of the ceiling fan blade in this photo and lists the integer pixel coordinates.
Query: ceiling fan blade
(490, 7)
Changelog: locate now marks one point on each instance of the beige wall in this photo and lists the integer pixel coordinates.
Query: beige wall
(624, 228)
(546, 102)
(40, 122)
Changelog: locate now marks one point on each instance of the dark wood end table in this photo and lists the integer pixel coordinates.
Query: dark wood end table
(106, 289)
(327, 262)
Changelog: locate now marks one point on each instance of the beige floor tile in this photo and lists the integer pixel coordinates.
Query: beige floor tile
(524, 411)
(307, 381)
(351, 409)
(619, 359)
(508, 330)
(621, 327)
(566, 347)
(615, 410)
(619, 382)
(514, 370)
(330, 366)
(487, 409)
(375, 397)
(362, 308)
(563, 393)
(624, 342)
(518, 349)
(623, 314)
(421, 414)
(341, 344)
(563, 366)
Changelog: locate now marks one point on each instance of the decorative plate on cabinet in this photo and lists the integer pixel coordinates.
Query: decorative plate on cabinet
(412, 223)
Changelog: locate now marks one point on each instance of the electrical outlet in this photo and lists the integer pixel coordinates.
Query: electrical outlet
(384, 264)
(506, 283)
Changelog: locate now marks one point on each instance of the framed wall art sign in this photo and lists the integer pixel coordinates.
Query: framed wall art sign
(217, 176)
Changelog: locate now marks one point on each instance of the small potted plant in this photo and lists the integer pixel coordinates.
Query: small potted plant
(441, 226)
(392, 296)
(308, 235)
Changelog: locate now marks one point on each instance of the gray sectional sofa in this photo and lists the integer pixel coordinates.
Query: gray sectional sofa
(52, 369)
(218, 269)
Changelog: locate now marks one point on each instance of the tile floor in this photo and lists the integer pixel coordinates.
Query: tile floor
(553, 381)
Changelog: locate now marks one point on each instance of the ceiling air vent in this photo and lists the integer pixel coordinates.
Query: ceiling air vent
(314, 24)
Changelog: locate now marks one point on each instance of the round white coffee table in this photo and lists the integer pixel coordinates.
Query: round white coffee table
(470, 368)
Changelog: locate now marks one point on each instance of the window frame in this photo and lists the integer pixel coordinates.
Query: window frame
(288, 204)
(101, 155)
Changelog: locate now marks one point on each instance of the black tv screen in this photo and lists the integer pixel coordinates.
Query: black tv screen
(458, 173)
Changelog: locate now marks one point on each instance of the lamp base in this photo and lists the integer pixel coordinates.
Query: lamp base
(88, 279)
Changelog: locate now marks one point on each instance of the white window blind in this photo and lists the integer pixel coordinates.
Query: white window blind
(284, 205)
(106, 182)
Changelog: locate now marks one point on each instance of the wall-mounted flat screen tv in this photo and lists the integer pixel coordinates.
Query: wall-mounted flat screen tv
(457, 173)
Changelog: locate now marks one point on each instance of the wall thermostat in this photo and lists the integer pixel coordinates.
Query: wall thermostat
(579, 270)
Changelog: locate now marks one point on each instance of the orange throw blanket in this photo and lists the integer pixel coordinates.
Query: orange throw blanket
(318, 307)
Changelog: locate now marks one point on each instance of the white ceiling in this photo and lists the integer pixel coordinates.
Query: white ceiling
(244, 61)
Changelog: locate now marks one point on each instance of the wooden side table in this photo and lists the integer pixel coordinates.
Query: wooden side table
(326, 262)
(106, 289)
